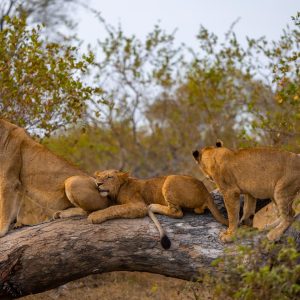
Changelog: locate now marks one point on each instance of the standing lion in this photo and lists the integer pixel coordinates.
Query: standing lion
(259, 173)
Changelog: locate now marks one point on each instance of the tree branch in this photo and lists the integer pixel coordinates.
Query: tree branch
(10, 6)
(38, 258)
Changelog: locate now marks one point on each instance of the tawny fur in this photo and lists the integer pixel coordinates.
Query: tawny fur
(36, 182)
(259, 173)
(164, 195)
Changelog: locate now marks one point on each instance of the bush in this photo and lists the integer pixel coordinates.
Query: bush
(258, 270)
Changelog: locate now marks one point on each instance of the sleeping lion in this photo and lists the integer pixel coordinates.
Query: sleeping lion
(165, 195)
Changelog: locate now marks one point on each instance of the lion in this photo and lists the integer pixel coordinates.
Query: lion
(165, 195)
(31, 175)
(259, 173)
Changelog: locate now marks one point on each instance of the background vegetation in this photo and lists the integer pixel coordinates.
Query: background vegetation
(162, 101)
(144, 105)
(257, 270)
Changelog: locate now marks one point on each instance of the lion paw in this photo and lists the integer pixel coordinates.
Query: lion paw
(226, 236)
(90, 219)
(273, 235)
(95, 218)
(199, 210)
(18, 225)
(247, 222)
(57, 215)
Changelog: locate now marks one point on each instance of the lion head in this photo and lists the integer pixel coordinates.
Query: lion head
(110, 181)
(206, 160)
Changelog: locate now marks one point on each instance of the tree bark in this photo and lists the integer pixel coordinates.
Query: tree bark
(38, 258)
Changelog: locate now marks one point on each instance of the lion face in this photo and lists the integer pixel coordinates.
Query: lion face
(110, 181)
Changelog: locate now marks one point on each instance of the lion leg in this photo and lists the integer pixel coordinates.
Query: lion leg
(10, 197)
(286, 214)
(172, 211)
(69, 212)
(9, 205)
(248, 210)
(232, 204)
(128, 210)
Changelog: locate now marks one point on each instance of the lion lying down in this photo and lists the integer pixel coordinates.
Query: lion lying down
(165, 195)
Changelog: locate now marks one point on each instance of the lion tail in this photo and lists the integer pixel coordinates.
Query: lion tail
(164, 239)
(215, 211)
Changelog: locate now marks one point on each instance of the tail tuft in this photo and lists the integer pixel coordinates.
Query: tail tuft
(165, 242)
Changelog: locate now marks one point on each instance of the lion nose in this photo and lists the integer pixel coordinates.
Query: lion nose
(99, 183)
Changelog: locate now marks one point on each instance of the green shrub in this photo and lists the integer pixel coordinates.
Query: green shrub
(258, 270)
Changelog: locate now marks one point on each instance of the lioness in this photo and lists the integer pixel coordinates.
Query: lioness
(30, 171)
(259, 173)
(164, 195)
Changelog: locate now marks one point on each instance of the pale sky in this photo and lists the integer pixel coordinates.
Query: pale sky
(258, 17)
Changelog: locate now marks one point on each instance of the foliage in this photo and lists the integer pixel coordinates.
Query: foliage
(89, 147)
(40, 82)
(132, 73)
(279, 119)
(54, 14)
(227, 94)
(262, 270)
(164, 100)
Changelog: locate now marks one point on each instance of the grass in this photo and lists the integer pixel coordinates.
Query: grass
(125, 286)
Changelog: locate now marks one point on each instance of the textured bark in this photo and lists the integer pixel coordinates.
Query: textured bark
(41, 257)
(37, 258)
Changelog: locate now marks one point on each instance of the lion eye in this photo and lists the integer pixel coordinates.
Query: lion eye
(109, 177)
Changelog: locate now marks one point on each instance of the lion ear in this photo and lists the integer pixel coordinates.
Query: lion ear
(219, 144)
(123, 175)
(196, 155)
(97, 173)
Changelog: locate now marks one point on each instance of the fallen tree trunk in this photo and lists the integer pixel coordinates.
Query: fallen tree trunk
(38, 258)
(41, 257)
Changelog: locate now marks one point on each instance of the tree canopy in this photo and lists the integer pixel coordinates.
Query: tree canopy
(163, 100)
(40, 82)
(145, 104)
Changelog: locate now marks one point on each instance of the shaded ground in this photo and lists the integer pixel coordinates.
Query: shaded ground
(125, 286)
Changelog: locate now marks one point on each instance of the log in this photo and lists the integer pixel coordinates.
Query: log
(37, 258)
